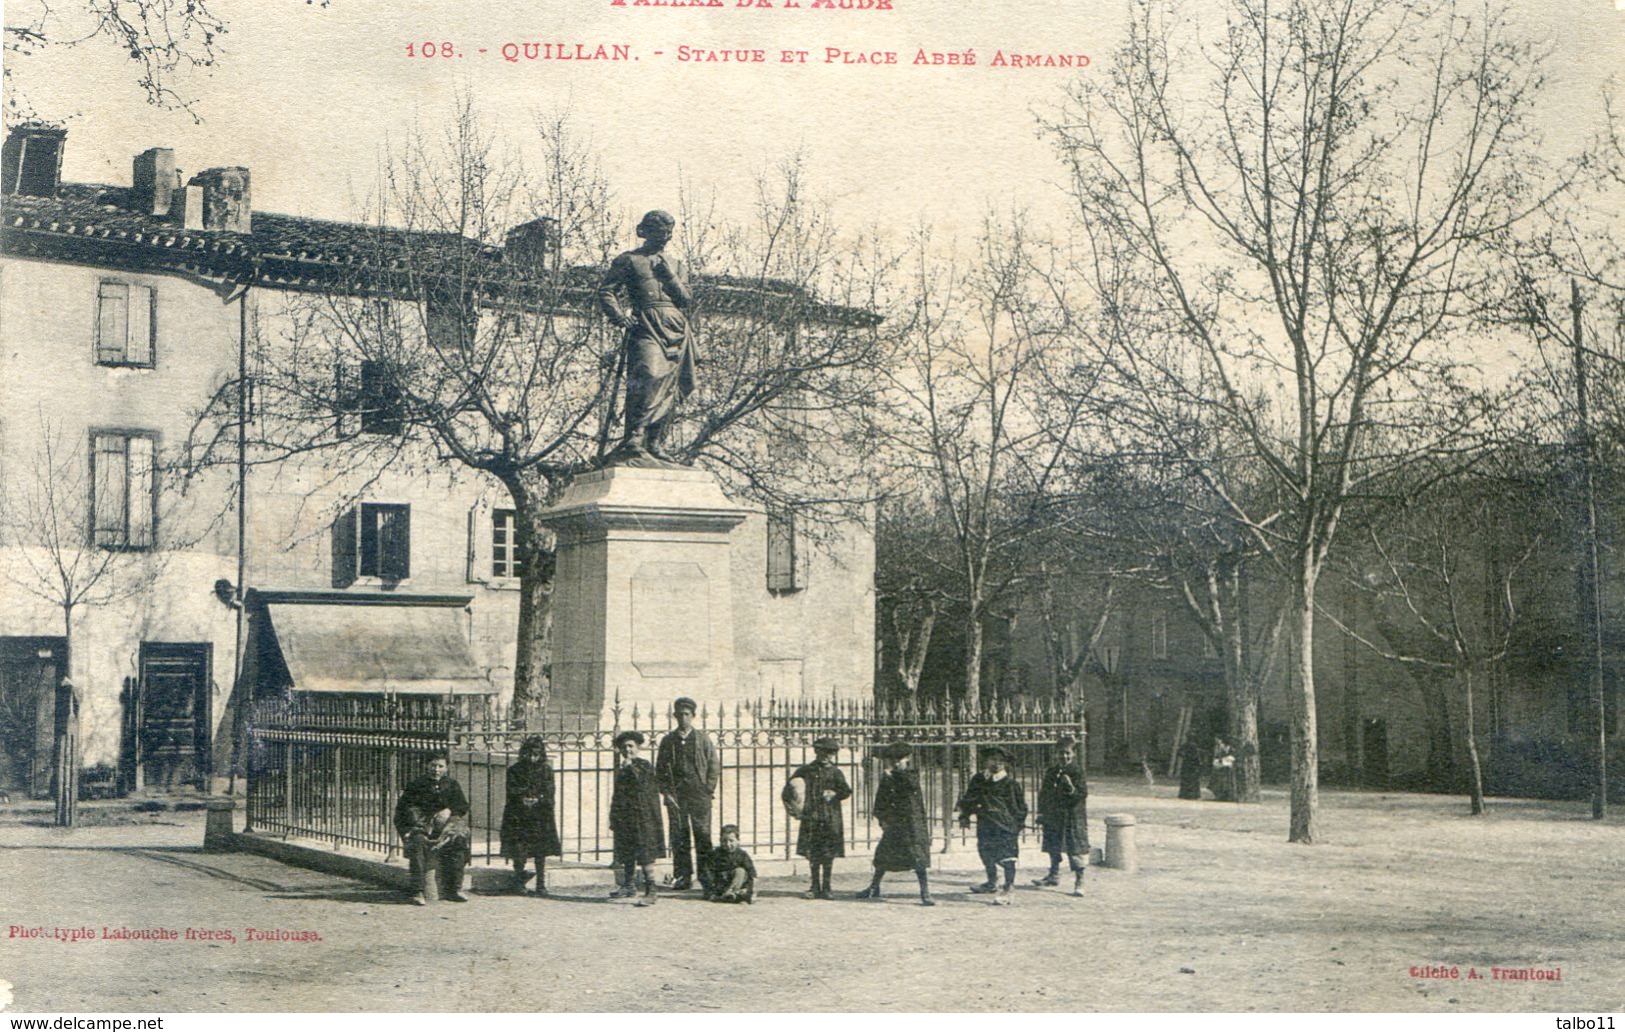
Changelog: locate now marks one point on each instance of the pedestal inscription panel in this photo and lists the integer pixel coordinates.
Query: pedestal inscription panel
(671, 620)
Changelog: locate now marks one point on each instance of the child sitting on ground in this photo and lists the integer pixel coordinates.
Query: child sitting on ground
(732, 874)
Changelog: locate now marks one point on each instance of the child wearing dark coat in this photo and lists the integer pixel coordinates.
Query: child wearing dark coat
(634, 819)
(529, 824)
(905, 835)
(996, 800)
(822, 837)
(1063, 800)
(730, 874)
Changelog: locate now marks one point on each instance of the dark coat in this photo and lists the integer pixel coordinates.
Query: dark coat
(634, 814)
(415, 811)
(905, 837)
(721, 863)
(1063, 804)
(1000, 809)
(533, 829)
(423, 798)
(822, 835)
(693, 771)
(1193, 761)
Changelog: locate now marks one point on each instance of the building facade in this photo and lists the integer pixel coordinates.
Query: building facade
(167, 570)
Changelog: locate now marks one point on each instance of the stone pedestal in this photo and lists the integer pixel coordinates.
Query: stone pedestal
(219, 834)
(642, 603)
(1120, 849)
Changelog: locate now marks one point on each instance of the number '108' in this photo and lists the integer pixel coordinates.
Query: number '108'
(430, 49)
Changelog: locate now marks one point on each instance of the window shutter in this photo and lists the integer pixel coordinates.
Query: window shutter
(143, 491)
(781, 552)
(395, 543)
(473, 554)
(345, 551)
(138, 350)
(109, 465)
(346, 392)
(112, 322)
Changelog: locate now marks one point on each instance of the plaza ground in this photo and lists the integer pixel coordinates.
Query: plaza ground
(1223, 915)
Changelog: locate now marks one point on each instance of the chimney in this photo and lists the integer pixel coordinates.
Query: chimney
(534, 247)
(153, 176)
(31, 160)
(224, 202)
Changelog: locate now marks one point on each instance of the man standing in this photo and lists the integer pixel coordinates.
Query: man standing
(659, 354)
(432, 821)
(686, 769)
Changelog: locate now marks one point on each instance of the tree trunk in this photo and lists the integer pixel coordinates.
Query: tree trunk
(1241, 686)
(1475, 774)
(1305, 805)
(973, 662)
(533, 651)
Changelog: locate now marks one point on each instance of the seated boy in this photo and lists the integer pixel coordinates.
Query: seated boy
(732, 874)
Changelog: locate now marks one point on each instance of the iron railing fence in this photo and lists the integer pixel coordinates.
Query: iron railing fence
(330, 768)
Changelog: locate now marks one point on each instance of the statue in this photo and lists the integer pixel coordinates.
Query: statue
(657, 352)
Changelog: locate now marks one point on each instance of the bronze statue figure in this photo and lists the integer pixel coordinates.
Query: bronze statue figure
(657, 351)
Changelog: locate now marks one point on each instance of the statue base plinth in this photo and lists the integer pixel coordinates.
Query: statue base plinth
(643, 603)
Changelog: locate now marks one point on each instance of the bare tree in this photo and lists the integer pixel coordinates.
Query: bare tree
(1448, 572)
(445, 352)
(1294, 206)
(165, 40)
(973, 436)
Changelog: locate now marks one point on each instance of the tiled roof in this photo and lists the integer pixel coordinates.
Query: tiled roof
(93, 212)
(93, 223)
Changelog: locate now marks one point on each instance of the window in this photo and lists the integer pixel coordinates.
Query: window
(1159, 636)
(372, 540)
(369, 399)
(124, 497)
(126, 321)
(505, 562)
(782, 574)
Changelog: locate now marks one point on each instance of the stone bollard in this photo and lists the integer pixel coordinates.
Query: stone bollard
(218, 831)
(1120, 851)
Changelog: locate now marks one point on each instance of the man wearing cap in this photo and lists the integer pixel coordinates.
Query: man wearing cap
(686, 769)
(634, 819)
(822, 837)
(999, 805)
(1063, 801)
(905, 836)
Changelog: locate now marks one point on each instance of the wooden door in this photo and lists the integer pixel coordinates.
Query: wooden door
(174, 722)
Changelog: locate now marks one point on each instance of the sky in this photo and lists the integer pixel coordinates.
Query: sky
(308, 96)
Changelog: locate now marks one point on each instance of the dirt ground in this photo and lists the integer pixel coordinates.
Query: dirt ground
(1223, 915)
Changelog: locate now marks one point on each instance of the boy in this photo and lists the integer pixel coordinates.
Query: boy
(431, 818)
(731, 876)
(822, 837)
(1063, 801)
(905, 836)
(999, 805)
(634, 819)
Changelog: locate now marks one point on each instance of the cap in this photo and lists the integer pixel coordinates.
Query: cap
(826, 745)
(897, 751)
(1066, 741)
(684, 703)
(993, 752)
(629, 736)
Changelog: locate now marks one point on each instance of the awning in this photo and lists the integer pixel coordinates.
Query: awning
(403, 649)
